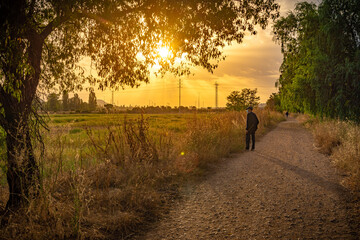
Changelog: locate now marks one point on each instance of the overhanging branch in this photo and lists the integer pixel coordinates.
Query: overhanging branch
(83, 13)
(52, 25)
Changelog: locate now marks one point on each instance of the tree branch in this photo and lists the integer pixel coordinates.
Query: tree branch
(52, 25)
(61, 19)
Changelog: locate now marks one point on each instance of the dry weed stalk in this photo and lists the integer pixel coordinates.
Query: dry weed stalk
(141, 148)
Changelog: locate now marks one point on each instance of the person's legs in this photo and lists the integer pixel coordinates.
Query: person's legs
(253, 141)
(247, 141)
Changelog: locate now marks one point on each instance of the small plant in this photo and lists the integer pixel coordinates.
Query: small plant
(141, 148)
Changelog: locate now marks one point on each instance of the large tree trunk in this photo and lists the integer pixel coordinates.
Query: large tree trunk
(22, 170)
(22, 173)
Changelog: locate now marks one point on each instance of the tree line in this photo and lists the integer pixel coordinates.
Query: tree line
(76, 104)
(320, 72)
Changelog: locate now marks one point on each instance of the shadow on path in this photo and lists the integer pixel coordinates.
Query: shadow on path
(330, 186)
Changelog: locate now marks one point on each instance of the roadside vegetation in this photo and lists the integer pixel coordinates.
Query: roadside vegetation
(341, 141)
(106, 175)
(320, 77)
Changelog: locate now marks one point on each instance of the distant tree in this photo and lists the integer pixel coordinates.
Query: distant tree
(75, 103)
(241, 100)
(53, 103)
(84, 107)
(42, 43)
(65, 100)
(109, 107)
(92, 101)
(274, 103)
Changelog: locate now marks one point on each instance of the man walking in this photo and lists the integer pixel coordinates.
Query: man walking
(251, 126)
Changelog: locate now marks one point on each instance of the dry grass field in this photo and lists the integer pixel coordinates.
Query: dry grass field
(107, 175)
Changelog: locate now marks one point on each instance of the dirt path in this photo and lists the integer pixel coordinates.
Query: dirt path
(283, 190)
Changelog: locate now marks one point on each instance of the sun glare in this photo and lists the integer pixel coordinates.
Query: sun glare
(164, 52)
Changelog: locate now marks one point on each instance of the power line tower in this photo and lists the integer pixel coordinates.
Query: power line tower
(216, 94)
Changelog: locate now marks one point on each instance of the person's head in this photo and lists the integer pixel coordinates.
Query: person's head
(249, 109)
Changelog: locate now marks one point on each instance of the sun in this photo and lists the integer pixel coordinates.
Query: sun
(164, 52)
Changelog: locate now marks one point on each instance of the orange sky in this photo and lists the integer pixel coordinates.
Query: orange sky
(252, 64)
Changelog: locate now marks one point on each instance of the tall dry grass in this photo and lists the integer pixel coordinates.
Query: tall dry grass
(341, 141)
(134, 172)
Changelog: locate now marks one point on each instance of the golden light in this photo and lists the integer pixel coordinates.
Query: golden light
(164, 52)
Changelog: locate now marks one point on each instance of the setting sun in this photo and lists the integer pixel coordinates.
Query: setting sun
(164, 52)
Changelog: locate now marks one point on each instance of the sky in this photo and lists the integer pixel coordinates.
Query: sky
(252, 64)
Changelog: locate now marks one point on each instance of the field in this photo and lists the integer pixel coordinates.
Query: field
(106, 175)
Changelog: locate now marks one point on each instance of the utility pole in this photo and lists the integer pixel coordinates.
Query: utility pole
(179, 94)
(216, 95)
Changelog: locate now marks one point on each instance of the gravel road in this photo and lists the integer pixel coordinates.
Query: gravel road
(284, 189)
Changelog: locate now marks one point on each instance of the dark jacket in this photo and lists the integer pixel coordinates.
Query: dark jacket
(251, 122)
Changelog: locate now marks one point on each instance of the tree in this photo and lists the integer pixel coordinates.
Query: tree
(53, 103)
(65, 100)
(42, 43)
(274, 103)
(75, 103)
(297, 33)
(241, 100)
(321, 67)
(92, 101)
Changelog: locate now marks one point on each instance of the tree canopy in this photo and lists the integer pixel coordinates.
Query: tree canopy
(320, 73)
(241, 100)
(121, 38)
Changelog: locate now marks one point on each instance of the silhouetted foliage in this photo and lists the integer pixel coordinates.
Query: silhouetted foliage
(53, 103)
(65, 100)
(92, 101)
(241, 100)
